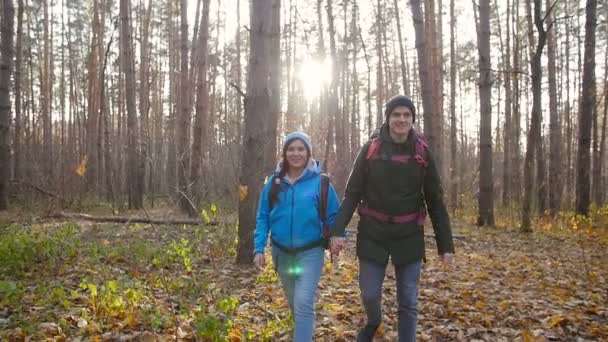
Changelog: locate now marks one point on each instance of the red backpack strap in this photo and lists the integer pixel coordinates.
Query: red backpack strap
(373, 152)
(421, 148)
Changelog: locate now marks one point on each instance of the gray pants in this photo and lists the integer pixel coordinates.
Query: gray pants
(371, 278)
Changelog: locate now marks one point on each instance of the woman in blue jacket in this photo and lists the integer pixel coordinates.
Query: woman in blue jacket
(289, 211)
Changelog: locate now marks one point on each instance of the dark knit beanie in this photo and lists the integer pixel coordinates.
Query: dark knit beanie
(396, 101)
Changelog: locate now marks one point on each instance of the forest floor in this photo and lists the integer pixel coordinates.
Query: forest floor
(121, 282)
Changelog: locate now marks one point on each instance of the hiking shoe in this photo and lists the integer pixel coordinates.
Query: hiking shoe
(366, 334)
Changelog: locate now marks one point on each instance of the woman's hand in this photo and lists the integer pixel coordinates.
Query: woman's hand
(259, 260)
(336, 244)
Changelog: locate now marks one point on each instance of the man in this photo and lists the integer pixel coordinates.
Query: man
(393, 178)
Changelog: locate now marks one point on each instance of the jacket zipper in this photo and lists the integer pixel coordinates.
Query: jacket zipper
(293, 196)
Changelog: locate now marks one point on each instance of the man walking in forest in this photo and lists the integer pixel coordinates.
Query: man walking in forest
(393, 181)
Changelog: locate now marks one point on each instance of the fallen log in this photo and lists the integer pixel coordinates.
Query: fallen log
(131, 219)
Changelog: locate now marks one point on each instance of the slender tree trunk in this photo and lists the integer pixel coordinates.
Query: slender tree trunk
(424, 68)
(275, 86)
(453, 128)
(171, 133)
(257, 111)
(533, 134)
(6, 69)
(135, 197)
(47, 100)
(239, 77)
(404, 80)
(516, 123)
(602, 182)
(18, 133)
(92, 121)
(183, 127)
(555, 174)
(507, 142)
(144, 95)
(380, 96)
(586, 112)
(202, 107)
(334, 109)
(355, 113)
(486, 193)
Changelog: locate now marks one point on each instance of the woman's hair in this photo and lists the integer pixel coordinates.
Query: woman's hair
(277, 179)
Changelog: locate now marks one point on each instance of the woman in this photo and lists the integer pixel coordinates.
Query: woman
(289, 210)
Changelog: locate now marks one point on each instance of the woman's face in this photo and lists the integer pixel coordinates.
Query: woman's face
(296, 154)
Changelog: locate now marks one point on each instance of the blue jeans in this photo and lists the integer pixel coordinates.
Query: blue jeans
(300, 274)
(371, 278)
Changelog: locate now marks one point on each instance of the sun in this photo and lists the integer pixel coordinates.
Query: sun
(313, 75)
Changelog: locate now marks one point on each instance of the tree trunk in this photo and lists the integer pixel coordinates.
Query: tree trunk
(486, 193)
(46, 100)
(144, 95)
(507, 142)
(202, 108)
(270, 144)
(380, 96)
(602, 182)
(555, 174)
(239, 100)
(535, 121)
(183, 126)
(453, 128)
(172, 122)
(334, 110)
(404, 80)
(424, 70)
(586, 112)
(135, 197)
(515, 173)
(257, 113)
(6, 69)
(18, 132)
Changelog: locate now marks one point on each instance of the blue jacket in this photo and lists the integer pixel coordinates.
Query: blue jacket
(294, 219)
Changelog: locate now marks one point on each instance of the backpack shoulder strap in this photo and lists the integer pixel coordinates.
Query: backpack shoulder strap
(324, 192)
(272, 179)
(421, 149)
(373, 151)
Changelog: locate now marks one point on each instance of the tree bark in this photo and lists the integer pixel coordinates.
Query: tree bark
(183, 126)
(586, 112)
(135, 197)
(404, 80)
(535, 120)
(555, 174)
(6, 69)
(202, 108)
(486, 192)
(18, 132)
(424, 71)
(257, 112)
(453, 128)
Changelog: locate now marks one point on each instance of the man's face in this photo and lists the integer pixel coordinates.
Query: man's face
(400, 121)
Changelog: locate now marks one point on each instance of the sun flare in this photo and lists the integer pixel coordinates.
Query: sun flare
(313, 75)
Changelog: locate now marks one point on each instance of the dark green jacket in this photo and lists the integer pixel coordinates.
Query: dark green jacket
(394, 189)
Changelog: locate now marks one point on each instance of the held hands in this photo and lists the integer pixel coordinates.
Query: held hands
(259, 261)
(336, 244)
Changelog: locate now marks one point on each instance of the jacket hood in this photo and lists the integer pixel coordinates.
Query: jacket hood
(313, 167)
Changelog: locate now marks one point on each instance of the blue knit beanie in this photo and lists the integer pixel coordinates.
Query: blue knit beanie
(298, 135)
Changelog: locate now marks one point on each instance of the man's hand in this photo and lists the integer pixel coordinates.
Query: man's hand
(446, 258)
(259, 260)
(336, 244)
